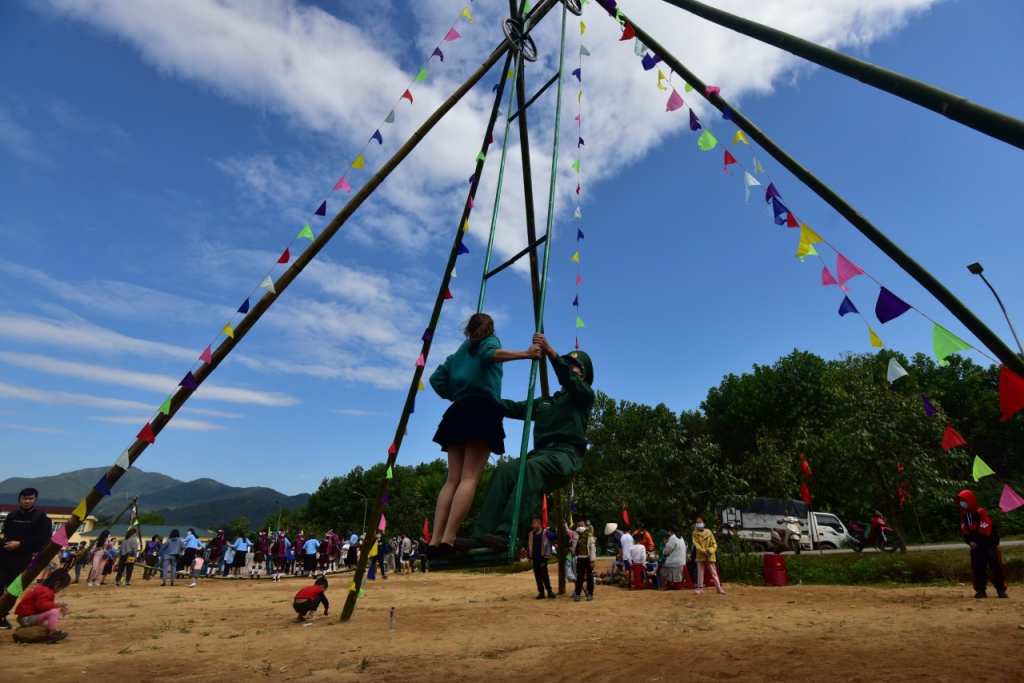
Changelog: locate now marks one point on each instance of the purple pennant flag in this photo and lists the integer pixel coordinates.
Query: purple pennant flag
(244, 308)
(780, 210)
(102, 486)
(384, 499)
(472, 179)
(578, 73)
(579, 234)
(929, 409)
(694, 121)
(889, 306)
(847, 307)
(495, 88)
(378, 137)
(580, 143)
(189, 381)
(656, 59)
(576, 301)
(648, 62)
(412, 408)
(437, 53)
(426, 335)
(463, 249)
(572, 507)
(770, 192)
(322, 211)
(727, 113)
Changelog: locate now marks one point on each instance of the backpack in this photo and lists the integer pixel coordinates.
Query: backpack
(31, 634)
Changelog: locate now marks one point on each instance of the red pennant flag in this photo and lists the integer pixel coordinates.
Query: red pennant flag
(544, 512)
(805, 493)
(628, 33)
(407, 95)
(791, 221)
(577, 343)
(729, 159)
(904, 493)
(951, 439)
(426, 528)
(392, 449)
(146, 435)
(448, 294)
(1011, 392)
(625, 513)
(284, 257)
(491, 141)
(577, 189)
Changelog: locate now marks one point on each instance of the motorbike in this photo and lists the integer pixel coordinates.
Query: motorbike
(787, 535)
(875, 533)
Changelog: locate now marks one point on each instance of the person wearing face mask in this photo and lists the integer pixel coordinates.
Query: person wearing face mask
(980, 534)
(584, 546)
(706, 545)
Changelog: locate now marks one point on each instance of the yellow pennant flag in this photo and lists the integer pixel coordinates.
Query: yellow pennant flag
(465, 225)
(352, 586)
(465, 13)
(875, 341)
(583, 28)
(740, 137)
(576, 257)
(579, 98)
(358, 163)
(80, 511)
(421, 387)
(661, 77)
(807, 238)
(811, 251)
(228, 330)
(511, 73)
(373, 550)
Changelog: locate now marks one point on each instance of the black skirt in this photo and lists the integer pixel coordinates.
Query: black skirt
(475, 418)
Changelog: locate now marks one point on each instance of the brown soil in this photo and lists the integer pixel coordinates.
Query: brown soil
(457, 627)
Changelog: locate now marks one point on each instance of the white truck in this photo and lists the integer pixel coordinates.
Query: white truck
(819, 530)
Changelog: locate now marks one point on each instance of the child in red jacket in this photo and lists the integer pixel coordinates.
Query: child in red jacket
(310, 598)
(980, 534)
(37, 605)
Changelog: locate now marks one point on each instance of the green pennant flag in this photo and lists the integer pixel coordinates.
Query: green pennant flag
(421, 75)
(305, 232)
(576, 165)
(579, 322)
(165, 407)
(16, 589)
(526, 7)
(707, 141)
(687, 87)
(945, 343)
(389, 474)
(480, 156)
(981, 469)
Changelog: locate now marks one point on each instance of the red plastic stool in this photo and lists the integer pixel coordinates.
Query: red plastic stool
(775, 570)
(636, 577)
(679, 585)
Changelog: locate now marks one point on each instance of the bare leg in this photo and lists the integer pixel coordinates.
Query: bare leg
(476, 454)
(456, 456)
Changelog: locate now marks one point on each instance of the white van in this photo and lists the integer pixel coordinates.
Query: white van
(820, 530)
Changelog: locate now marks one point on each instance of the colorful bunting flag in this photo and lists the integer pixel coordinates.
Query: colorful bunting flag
(427, 335)
(687, 87)
(675, 101)
(628, 33)
(847, 307)
(770, 192)
(1011, 392)
(929, 409)
(448, 294)
(359, 162)
(807, 238)
(384, 499)
(575, 257)
(740, 137)
(146, 434)
(639, 48)
(16, 588)
(165, 407)
(465, 226)
(188, 381)
(577, 213)
(465, 13)
(710, 90)
(826, 277)
(661, 77)
(726, 113)
(102, 486)
(437, 53)
(380, 141)
(578, 73)
(123, 461)
(422, 75)
(647, 62)
(758, 168)
(780, 210)
(579, 235)
(285, 257)
(875, 341)
(343, 185)
(980, 469)
(895, 371)
(791, 221)
(576, 301)
(583, 28)
(421, 361)
(748, 182)
(266, 284)
(846, 269)
(392, 449)
(694, 121)
(383, 521)
(228, 330)
(576, 165)
(579, 279)
(305, 232)
(452, 35)
(389, 474)
(406, 95)
(60, 537)
(421, 387)
(1009, 500)
(244, 308)
(889, 306)
(946, 343)
(951, 439)
(463, 249)
(81, 510)
(579, 322)
(207, 355)
(707, 141)
(584, 52)
(391, 114)
(426, 529)
(729, 159)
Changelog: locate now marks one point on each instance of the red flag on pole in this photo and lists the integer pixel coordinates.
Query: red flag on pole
(805, 493)
(426, 528)
(951, 439)
(544, 512)
(625, 513)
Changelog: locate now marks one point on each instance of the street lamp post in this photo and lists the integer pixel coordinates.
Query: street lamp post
(365, 501)
(976, 269)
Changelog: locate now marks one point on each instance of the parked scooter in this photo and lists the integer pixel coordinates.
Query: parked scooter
(876, 533)
(787, 535)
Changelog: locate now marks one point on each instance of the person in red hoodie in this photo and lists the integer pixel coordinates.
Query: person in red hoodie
(310, 598)
(981, 535)
(37, 605)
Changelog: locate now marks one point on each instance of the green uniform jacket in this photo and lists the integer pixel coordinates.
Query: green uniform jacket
(468, 373)
(562, 418)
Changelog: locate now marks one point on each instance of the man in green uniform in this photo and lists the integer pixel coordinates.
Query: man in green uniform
(559, 439)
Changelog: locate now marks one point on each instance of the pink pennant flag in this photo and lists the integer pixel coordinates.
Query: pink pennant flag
(206, 356)
(61, 537)
(343, 185)
(846, 269)
(384, 522)
(1010, 500)
(578, 118)
(452, 35)
(826, 277)
(675, 101)
(470, 203)
(579, 279)
(712, 90)
(420, 362)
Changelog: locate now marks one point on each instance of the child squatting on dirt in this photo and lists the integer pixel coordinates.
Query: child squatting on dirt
(37, 605)
(310, 598)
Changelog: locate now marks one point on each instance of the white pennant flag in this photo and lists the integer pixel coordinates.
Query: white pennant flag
(749, 181)
(578, 214)
(639, 49)
(453, 272)
(122, 461)
(268, 285)
(895, 371)
(758, 168)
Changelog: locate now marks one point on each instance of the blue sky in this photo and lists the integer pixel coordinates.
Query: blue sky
(156, 158)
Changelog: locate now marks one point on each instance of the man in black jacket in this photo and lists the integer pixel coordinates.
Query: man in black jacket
(26, 532)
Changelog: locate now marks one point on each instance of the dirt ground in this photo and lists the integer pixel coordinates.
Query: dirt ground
(457, 627)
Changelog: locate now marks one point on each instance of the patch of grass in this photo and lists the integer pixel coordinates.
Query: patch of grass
(204, 633)
(699, 619)
(127, 649)
(263, 669)
(489, 654)
(364, 664)
(131, 605)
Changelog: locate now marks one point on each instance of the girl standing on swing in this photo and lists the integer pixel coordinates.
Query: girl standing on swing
(471, 428)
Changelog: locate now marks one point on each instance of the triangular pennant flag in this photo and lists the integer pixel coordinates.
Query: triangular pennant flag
(694, 121)
(675, 101)
(420, 76)
(420, 362)
(980, 469)
(740, 137)
(16, 588)
(729, 159)
(847, 307)
(1009, 500)
(146, 434)
(758, 168)
(889, 306)
(244, 308)
(452, 35)
(266, 284)
(465, 225)
(391, 114)
(448, 294)
(392, 449)
(380, 141)
(285, 257)
(228, 330)
(60, 537)
(727, 113)
(453, 273)
(710, 90)
(875, 341)
(463, 249)
(206, 356)
(579, 235)
(577, 190)
(584, 52)
(576, 165)
(576, 301)
(481, 156)
(628, 33)
(846, 269)
(81, 510)
(465, 13)
(389, 474)
(791, 221)
(807, 238)
(812, 251)
(437, 53)
(826, 277)
(661, 77)
(748, 182)
(770, 192)
(579, 322)
(1011, 392)
(780, 210)
(639, 48)
(929, 409)
(306, 232)
(359, 162)
(384, 499)
(406, 95)
(576, 257)
(895, 371)
(383, 521)
(421, 387)
(123, 461)
(343, 185)
(583, 28)
(946, 343)
(579, 279)
(188, 381)
(102, 486)
(707, 141)
(579, 97)
(321, 210)
(472, 179)
(951, 439)
(577, 343)
(526, 7)
(647, 62)
(427, 335)
(577, 213)
(578, 118)
(687, 87)
(165, 407)
(578, 73)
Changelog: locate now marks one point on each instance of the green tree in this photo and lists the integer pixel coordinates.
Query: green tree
(152, 518)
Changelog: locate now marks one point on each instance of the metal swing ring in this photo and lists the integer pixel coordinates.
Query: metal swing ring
(574, 6)
(522, 43)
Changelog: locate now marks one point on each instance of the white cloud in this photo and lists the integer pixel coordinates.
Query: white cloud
(358, 413)
(17, 139)
(37, 430)
(177, 423)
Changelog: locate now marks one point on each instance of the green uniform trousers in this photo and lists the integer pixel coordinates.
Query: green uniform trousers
(547, 470)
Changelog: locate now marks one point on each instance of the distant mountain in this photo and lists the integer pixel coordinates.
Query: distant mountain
(202, 502)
